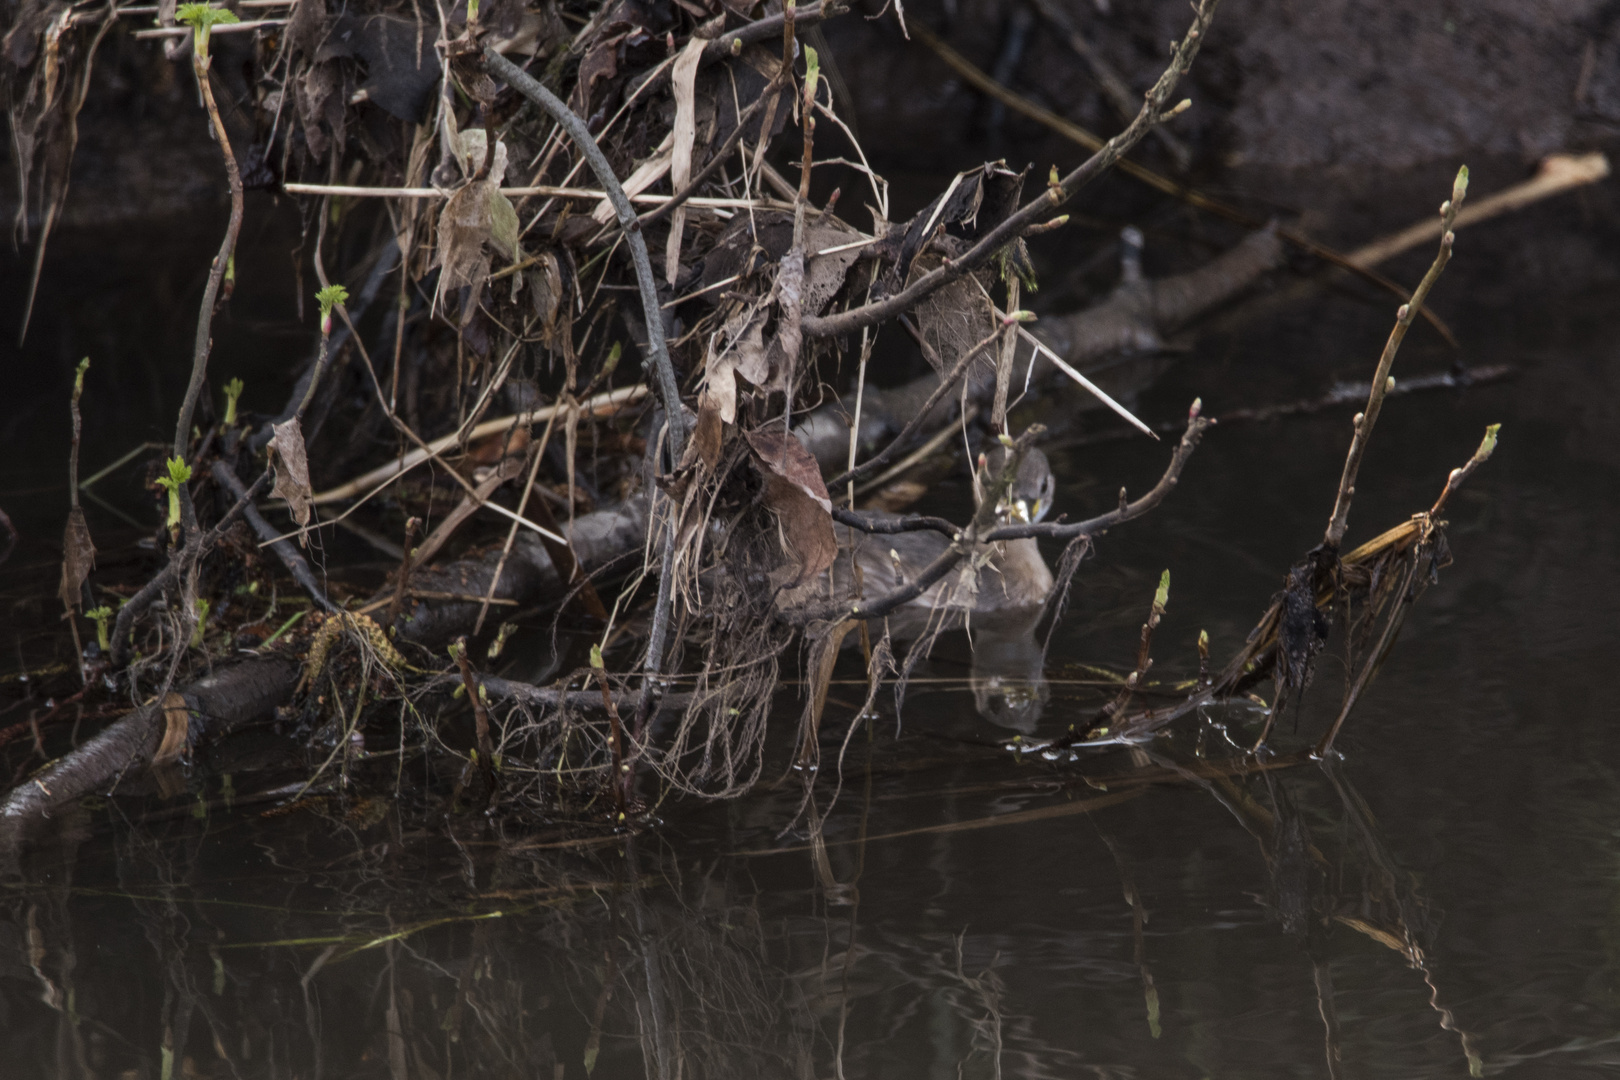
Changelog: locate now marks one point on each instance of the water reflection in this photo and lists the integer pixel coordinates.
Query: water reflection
(1008, 676)
(342, 940)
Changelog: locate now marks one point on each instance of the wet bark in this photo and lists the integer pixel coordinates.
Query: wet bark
(230, 698)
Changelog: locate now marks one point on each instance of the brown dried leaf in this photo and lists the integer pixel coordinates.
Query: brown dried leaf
(683, 80)
(546, 295)
(790, 309)
(720, 383)
(824, 273)
(746, 332)
(954, 318)
(78, 558)
(710, 431)
(795, 492)
(476, 224)
(176, 730)
(288, 458)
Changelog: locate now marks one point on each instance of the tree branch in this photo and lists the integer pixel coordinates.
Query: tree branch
(664, 373)
(1152, 114)
(1364, 421)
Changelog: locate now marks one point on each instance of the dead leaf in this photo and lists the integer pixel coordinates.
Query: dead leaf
(546, 294)
(748, 349)
(829, 255)
(683, 79)
(78, 558)
(288, 458)
(322, 96)
(955, 318)
(790, 309)
(795, 492)
(720, 382)
(476, 224)
(710, 431)
(176, 730)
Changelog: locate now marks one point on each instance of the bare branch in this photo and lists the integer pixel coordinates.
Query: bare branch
(1152, 113)
(1381, 379)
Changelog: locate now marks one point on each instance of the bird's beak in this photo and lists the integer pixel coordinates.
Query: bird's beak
(1038, 513)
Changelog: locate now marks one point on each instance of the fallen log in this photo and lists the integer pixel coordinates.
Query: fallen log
(230, 698)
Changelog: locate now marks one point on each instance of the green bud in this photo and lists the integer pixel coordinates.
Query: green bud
(596, 658)
(179, 476)
(812, 72)
(1161, 598)
(330, 297)
(1487, 445)
(233, 390)
(202, 622)
(102, 615)
(202, 19)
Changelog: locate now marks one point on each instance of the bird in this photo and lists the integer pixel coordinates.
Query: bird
(1003, 582)
(998, 594)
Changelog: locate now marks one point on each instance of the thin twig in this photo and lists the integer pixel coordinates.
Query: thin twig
(200, 62)
(1365, 420)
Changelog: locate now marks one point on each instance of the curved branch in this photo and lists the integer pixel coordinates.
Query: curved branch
(1016, 224)
(1056, 530)
(216, 273)
(664, 374)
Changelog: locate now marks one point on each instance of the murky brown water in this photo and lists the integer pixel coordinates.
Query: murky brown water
(1443, 899)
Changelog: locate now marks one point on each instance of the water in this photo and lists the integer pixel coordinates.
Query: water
(1138, 923)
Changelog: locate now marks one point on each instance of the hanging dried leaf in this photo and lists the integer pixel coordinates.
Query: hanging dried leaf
(322, 96)
(291, 463)
(709, 434)
(476, 224)
(796, 494)
(745, 335)
(78, 558)
(784, 352)
(1302, 630)
(829, 251)
(720, 383)
(954, 318)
